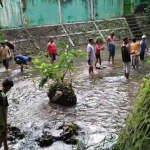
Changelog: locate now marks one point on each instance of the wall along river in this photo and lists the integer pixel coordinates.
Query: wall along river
(104, 101)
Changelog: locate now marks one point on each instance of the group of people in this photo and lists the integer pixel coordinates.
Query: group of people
(6, 50)
(130, 52)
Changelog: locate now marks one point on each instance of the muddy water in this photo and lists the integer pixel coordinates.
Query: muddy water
(104, 101)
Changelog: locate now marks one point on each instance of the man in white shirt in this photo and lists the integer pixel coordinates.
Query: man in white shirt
(90, 55)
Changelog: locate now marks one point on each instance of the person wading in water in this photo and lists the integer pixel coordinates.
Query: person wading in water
(5, 54)
(111, 40)
(125, 51)
(97, 53)
(51, 50)
(6, 86)
(90, 55)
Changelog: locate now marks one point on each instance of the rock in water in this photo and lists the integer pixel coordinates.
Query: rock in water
(62, 94)
(45, 140)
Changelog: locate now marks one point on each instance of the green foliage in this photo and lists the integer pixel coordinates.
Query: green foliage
(61, 68)
(2, 36)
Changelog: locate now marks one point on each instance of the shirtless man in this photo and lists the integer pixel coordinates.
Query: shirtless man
(5, 55)
(111, 47)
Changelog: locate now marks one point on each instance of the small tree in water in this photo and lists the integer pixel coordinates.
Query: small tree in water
(60, 91)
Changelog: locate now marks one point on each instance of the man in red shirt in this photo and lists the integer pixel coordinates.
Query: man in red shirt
(51, 50)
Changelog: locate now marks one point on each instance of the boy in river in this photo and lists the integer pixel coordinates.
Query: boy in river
(6, 86)
(5, 55)
(97, 53)
(90, 55)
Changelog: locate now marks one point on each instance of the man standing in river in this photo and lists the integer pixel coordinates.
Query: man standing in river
(90, 55)
(143, 47)
(125, 51)
(111, 47)
(5, 54)
(6, 86)
(51, 50)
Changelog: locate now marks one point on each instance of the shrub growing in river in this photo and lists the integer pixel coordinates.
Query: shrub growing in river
(57, 72)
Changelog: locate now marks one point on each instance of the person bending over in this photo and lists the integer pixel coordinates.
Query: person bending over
(22, 60)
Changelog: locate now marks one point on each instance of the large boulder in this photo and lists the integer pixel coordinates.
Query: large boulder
(62, 94)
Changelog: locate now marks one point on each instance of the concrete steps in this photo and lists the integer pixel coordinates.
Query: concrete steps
(134, 27)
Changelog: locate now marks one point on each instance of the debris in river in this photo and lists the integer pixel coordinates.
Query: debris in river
(15, 133)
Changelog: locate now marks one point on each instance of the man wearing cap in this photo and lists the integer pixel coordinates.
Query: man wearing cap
(143, 47)
(6, 86)
(5, 55)
(111, 46)
(90, 55)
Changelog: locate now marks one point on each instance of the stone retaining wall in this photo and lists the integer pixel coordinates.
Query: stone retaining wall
(31, 39)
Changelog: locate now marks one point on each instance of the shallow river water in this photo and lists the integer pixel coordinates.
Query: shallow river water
(103, 102)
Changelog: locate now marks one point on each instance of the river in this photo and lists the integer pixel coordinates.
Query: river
(103, 103)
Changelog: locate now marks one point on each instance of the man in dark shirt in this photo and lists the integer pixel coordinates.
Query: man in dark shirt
(6, 86)
(125, 51)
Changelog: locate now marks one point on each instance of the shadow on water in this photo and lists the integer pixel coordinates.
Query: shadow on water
(104, 100)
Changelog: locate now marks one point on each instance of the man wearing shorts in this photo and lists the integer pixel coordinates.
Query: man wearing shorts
(125, 51)
(5, 55)
(6, 86)
(90, 55)
(51, 50)
(111, 47)
(22, 60)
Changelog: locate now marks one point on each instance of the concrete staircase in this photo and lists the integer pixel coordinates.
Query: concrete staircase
(134, 27)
